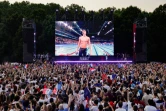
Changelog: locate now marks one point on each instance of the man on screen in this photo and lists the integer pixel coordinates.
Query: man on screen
(83, 44)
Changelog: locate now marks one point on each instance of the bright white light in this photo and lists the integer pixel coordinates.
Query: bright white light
(106, 26)
(109, 31)
(75, 22)
(65, 24)
(109, 22)
(70, 27)
(60, 22)
(98, 33)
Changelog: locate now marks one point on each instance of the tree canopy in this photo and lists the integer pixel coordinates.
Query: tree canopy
(11, 40)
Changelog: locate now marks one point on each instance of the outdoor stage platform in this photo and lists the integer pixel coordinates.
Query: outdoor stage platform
(94, 61)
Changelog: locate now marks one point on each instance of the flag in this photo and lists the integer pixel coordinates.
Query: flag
(44, 90)
(45, 86)
(16, 67)
(87, 93)
(111, 70)
(26, 66)
(48, 92)
(119, 65)
(92, 65)
(113, 76)
(111, 103)
(92, 69)
(104, 76)
(124, 66)
(54, 91)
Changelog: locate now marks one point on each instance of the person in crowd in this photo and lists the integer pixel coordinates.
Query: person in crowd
(120, 107)
(75, 87)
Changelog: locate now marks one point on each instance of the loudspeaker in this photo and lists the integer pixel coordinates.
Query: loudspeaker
(141, 44)
(139, 40)
(28, 44)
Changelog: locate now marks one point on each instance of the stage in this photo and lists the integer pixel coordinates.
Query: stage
(90, 59)
(94, 61)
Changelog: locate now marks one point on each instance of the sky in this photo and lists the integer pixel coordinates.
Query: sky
(144, 5)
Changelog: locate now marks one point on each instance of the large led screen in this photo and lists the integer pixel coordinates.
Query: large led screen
(84, 38)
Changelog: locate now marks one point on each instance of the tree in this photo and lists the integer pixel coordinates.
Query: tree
(44, 16)
(157, 35)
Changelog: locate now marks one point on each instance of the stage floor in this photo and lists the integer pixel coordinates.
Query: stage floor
(93, 61)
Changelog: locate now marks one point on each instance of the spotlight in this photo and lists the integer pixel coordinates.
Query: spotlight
(98, 33)
(65, 24)
(109, 31)
(109, 22)
(60, 22)
(57, 10)
(70, 27)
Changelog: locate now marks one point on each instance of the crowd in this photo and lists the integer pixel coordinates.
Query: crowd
(83, 87)
(60, 40)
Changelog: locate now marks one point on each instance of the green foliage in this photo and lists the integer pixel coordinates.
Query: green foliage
(44, 15)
